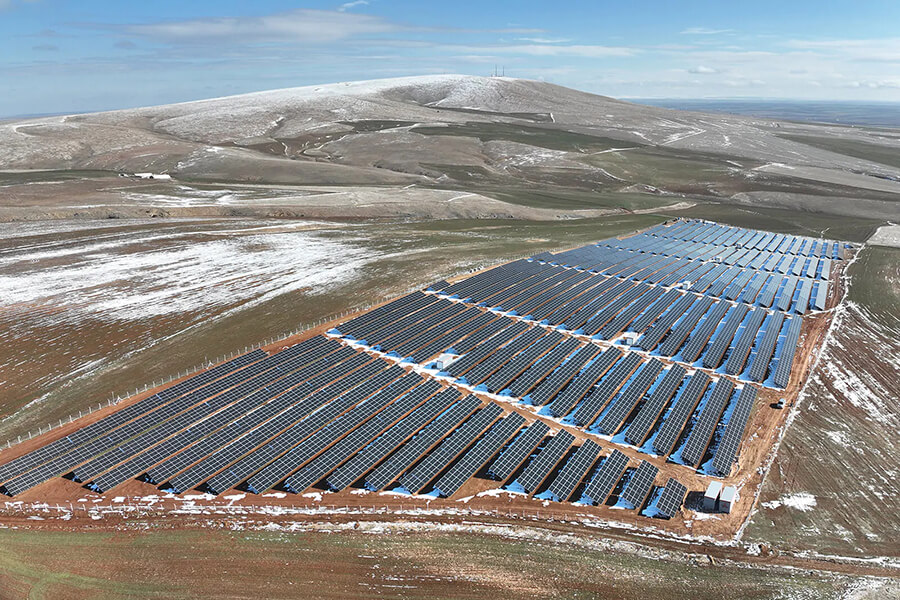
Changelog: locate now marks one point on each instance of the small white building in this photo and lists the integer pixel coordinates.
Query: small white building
(630, 337)
(712, 495)
(727, 498)
(163, 176)
(444, 360)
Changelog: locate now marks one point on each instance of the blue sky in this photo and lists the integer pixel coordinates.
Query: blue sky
(77, 55)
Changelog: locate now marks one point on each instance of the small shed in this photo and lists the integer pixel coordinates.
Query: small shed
(712, 495)
(727, 498)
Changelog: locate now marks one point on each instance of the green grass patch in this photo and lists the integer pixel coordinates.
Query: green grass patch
(884, 155)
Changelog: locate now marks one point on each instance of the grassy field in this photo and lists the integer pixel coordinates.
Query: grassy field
(880, 154)
(833, 487)
(199, 564)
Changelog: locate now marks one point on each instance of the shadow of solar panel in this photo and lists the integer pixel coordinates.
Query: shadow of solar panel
(606, 478)
(574, 471)
(545, 461)
(638, 488)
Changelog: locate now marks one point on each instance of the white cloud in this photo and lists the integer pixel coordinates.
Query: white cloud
(874, 50)
(300, 26)
(704, 31)
(355, 3)
(702, 70)
(541, 40)
(583, 51)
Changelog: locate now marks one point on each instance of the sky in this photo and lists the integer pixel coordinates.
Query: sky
(85, 55)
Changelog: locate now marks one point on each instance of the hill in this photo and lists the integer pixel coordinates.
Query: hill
(527, 143)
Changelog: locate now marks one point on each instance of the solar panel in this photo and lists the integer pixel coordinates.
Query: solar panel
(548, 388)
(71, 459)
(638, 487)
(738, 356)
(292, 406)
(764, 349)
(93, 431)
(627, 400)
(701, 432)
(574, 471)
(653, 335)
(392, 439)
(700, 337)
(723, 336)
(685, 326)
(423, 442)
(727, 450)
(260, 402)
(280, 436)
(356, 440)
(450, 448)
(587, 411)
(789, 349)
(655, 404)
(671, 499)
(477, 456)
(683, 408)
(520, 449)
(527, 381)
(201, 419)
(269, 473)
(606, 478)
(545, 461)
(569, 397)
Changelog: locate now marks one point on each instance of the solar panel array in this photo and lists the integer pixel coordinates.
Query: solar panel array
(327, 411)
